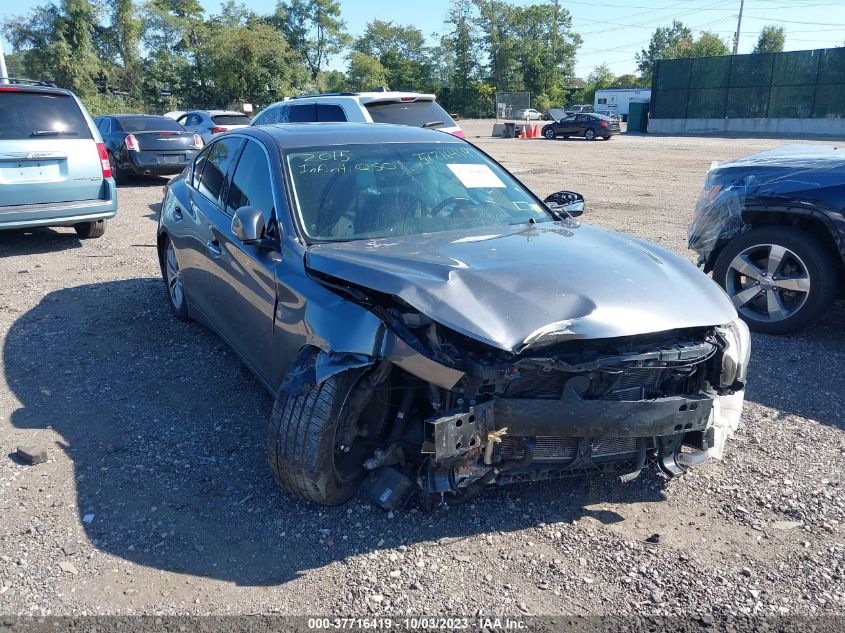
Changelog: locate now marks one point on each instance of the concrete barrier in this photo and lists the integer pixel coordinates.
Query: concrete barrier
(797, 127)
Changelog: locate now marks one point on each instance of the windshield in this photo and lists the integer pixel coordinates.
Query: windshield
(25, 115)
(231, 119)
(149, 124)
(422, 113)
(351, 192)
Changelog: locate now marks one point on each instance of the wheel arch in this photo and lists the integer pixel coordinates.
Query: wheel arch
(811, 221)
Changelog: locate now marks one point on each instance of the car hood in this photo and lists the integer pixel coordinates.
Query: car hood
(517, 288)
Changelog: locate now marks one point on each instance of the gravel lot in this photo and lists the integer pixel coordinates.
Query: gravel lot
(156, 498)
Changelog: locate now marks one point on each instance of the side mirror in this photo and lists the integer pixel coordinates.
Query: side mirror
(248, 225)
(568, 201)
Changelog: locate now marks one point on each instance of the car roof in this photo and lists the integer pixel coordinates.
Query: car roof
(137, 116)
(48, 90)
(794, 155)
(214, 112)
(294, 135)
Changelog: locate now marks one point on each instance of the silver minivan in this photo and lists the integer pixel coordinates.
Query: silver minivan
(54, 169)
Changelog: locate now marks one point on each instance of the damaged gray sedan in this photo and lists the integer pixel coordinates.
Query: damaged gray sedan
(428, 326)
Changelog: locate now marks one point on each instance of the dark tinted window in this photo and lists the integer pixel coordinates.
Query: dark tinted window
(216, 166)
(303, 113)
(230, 119)
(414, 113)
(327, 112)
(30, 115)
(198, 164)
(149, 124)
(251, 185)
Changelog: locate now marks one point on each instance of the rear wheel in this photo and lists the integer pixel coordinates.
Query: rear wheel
(117, 173)
(172, 275)
(779, 279)
(90, 230)
(590, 135)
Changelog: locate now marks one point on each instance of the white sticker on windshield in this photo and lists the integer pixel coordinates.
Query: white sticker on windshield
(476, 176)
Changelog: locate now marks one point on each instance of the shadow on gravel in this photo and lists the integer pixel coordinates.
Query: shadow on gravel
(36, 241)
(165, 428)
(801, 374)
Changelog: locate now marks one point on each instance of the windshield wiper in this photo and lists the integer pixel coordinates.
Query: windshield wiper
(433, 123)
(54, 133)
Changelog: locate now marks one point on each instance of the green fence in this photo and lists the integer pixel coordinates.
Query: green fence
(798, 84)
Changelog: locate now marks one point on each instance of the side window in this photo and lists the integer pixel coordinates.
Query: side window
(193, 119)
(329, 112)
(182, 120)
(269, 116)
(198, 163)
(251, 184)
(216, 166)
(302, 113)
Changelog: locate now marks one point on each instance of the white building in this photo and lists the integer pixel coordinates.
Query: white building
(616, 100)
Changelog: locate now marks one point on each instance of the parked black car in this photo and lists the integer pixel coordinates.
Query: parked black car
(589, 125)
(771, 228)
(144, 144)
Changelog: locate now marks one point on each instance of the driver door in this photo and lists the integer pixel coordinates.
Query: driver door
(245, 274)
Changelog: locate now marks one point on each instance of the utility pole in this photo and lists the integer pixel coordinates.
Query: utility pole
(738, 27)
(3, 72)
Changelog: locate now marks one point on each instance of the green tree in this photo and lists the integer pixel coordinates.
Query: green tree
(462, 92)
(58, 43)
(664, 41)
(771, 40)
(402, 52)
(313, 28)
(600, 77)
(365, 72)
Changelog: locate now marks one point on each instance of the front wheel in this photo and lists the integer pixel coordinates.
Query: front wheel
(549, 133)
(317, 440)
(90, 230)
(590, 135)
(779, 279)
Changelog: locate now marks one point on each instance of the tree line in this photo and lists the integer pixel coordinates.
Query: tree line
(161, 55)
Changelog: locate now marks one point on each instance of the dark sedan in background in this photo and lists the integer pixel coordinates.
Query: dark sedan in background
(146, 145)
(589, 125)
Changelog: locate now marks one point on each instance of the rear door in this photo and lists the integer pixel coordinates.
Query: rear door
(48, 153)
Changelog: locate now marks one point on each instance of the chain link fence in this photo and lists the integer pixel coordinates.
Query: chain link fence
(797, 84)
(509, 103)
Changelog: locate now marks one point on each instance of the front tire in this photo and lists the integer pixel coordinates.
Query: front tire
(549, 133)
(779, 279)
(90, 230)
(304, 435)
(590, 135)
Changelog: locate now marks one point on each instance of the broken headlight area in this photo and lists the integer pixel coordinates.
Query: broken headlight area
(463, 415)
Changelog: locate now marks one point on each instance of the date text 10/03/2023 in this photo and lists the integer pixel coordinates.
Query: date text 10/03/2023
(419, 623)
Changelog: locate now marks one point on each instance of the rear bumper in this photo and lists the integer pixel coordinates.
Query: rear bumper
(153, 163)
(607, 132)
(58, 213)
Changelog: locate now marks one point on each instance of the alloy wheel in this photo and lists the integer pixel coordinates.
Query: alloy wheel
(767, 282)
(174, 277)
(550, 134)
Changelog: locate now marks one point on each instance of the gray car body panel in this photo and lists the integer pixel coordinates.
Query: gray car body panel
(529, 286)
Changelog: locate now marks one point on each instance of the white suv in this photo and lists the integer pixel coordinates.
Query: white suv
(403, 108)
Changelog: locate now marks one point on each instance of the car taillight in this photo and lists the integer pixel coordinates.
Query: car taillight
(459, 134)
(104, 160)
(9, 89)
(197, 141)
(603, 123)
(132, 143)
(217, 130)
(407, 99)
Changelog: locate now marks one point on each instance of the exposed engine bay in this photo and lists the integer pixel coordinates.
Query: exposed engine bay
(444, 415)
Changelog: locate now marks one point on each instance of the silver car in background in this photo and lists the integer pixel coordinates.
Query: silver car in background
(54, 168)
(207, 123)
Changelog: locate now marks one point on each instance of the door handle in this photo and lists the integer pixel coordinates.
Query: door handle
(214, 249)
(177, 214)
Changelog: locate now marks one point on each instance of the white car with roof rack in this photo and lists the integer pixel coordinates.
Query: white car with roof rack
(404, 108)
